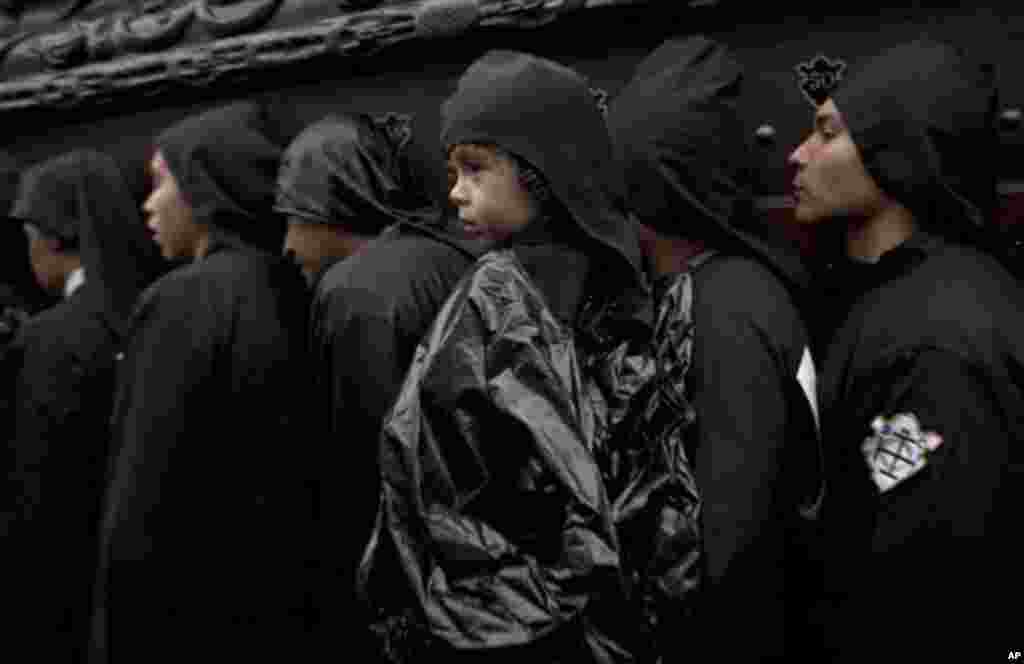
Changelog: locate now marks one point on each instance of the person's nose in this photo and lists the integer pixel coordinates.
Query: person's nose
(801, 155)
(458, 195)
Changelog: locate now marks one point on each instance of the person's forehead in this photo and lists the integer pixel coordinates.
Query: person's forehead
(473, 151)
(158, 164)
(828, 112)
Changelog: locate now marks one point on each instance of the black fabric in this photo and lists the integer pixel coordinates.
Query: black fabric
(208, 519)
(758, 461)
(490, 370)
(678, 135)
(47, 199)
(369, 313)
(920, 114)
(225, 162)
(495, 418)
(544, 113)
(62, 366)
(679, 139)
(933, 331)
(350, 171)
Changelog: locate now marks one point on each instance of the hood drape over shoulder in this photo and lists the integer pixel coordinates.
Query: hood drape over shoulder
(920, 114)
(350, 171)
(81, 196)
(226, 162)
(62, 369)
(680, 141)
(544, 113)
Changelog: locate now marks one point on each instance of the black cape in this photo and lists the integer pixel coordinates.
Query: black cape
(922, 389)
(63, 366)
(207, 521)
(679, 137)
(369, 312)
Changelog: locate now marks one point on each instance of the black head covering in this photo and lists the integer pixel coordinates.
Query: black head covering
(117, 254)
(681, 143)
(225, 162)
(16, 278)
(544, 113)
(348, 170)
(47, 201)
(923, 117)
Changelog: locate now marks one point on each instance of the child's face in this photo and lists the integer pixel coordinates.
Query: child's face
(486, 189)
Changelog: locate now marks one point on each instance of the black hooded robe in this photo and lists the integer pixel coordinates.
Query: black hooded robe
(63, 367)
(755, 445)
(205, 536)
(369, 312)
(922, 403)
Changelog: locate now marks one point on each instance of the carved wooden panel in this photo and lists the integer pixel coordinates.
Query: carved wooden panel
(61, 54)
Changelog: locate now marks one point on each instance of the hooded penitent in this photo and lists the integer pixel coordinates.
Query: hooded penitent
(82, 198)
(678, 135)
(677, 130)
(64, 365)
(495, 418)
(350, 171)
(923, 416)
(207, 514)
(225, 162)
(920, 113)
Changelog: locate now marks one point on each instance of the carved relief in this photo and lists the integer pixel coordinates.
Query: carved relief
(154, 46)
(232, 18)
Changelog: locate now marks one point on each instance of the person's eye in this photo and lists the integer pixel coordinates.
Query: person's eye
(473, 167)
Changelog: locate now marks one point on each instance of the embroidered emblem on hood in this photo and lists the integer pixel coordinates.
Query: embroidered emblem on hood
(898, 449)
(819, 77)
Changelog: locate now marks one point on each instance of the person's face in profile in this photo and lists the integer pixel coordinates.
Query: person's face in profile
(831, 179)
(169, 215)
(488, 193)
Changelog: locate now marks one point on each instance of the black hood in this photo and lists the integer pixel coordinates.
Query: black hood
(118, 257)
(681, 143)
(923, 117)
(225, 162)
(349, 171)
(544, 113)
(47, 200)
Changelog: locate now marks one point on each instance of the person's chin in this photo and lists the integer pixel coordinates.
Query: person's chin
(805, 214)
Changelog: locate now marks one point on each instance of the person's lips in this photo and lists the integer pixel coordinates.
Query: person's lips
(798, 192)
(471, 228)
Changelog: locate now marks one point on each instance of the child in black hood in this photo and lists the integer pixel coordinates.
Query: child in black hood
(207, 517)
(494, 421)
(62, 365)
(923, 416)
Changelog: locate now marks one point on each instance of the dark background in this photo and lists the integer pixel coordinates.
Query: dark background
(605, 44)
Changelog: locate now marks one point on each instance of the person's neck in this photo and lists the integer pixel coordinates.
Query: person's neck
(868, 240)
(666, 254)
(202, 246)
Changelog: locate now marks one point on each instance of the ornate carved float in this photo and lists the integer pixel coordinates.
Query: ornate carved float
(62, 54)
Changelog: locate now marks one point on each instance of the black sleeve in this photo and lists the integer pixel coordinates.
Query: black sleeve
(742, 413)
(934, 448)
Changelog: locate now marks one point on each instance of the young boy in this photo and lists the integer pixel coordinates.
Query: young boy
(494, 533)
